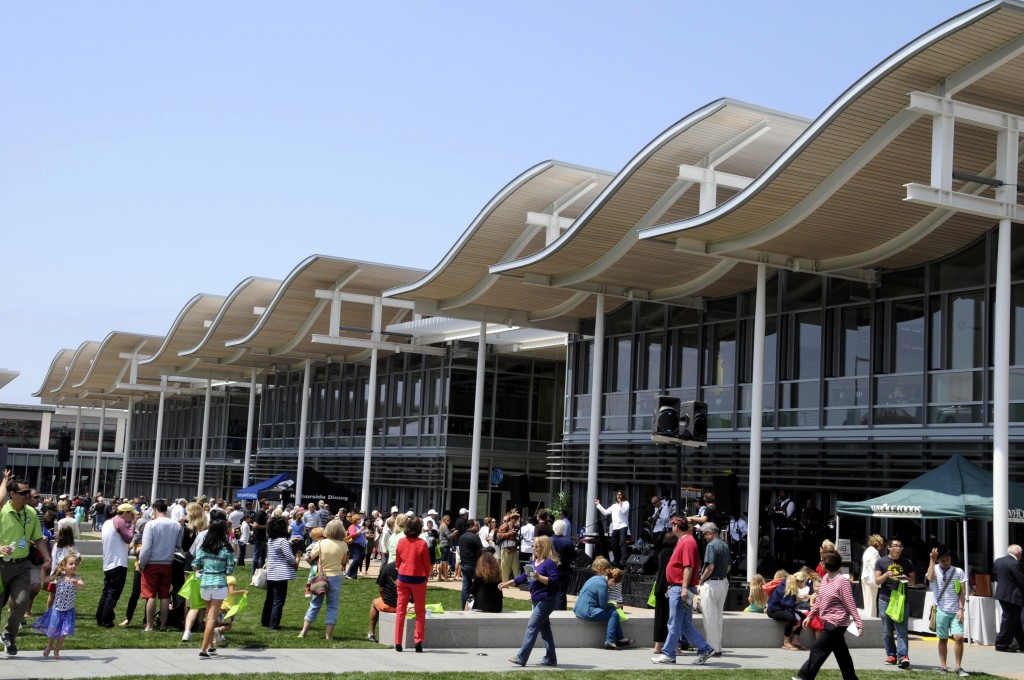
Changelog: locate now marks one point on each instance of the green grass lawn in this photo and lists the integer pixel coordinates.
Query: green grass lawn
(349, 632)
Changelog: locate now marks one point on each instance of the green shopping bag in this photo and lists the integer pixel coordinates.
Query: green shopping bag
(897, 608)
(652, 599)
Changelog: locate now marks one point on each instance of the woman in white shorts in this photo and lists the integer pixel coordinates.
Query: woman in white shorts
(214, 560)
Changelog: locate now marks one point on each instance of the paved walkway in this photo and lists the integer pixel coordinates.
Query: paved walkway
(78, 663)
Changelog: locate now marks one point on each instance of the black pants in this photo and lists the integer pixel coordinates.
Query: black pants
(241, 554)
(619, 545)
(787, 617)
(273, 606)
(829, 642)
(1010, 627)
(113, 584)
(133, 598)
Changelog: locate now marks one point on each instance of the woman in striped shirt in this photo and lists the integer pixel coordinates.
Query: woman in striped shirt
(213, 562)
(835, 606)
(282, 561)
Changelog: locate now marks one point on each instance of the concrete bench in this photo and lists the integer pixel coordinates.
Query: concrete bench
(479, 630)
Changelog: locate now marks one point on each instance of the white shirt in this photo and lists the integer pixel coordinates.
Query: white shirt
(235, 518)
(115, 549)
(485, 537)
(661, 517)
(177, 512)
(738, 529)
(526, 534)
(867, 565)
(619, 514)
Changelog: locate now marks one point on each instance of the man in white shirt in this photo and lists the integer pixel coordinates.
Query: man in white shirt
(178, 511)
(660, 518)
(116, 535)
(526, 541)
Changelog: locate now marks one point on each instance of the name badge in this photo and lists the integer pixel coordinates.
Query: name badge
(21, 543)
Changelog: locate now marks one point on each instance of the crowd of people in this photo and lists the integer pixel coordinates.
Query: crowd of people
(165, 545)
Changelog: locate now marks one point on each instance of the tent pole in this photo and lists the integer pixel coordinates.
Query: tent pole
(967, 595)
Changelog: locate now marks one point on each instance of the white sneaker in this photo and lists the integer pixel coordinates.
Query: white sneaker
(218, 636)
(661, 658)
(186, 636)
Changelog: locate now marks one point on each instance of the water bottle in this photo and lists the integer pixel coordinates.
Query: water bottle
(10, 556)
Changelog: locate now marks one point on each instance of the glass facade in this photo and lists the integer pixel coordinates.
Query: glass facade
(864, 385)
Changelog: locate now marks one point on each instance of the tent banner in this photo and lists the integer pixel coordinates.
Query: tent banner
(891, 510)
(1016, 515)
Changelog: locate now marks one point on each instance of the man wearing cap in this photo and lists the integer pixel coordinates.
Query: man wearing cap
(116, 536)
(681, 576)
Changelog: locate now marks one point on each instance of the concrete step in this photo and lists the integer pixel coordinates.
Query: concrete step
(477, 629)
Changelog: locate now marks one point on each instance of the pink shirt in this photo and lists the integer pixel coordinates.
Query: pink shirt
(834, 602)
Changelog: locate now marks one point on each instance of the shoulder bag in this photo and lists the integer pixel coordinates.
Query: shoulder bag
(318, 586)
(935, 607)
(259, 578)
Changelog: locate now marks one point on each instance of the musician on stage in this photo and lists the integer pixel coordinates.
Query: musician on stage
(659, 519)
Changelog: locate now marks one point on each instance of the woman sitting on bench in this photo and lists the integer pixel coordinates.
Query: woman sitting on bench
(592, 603)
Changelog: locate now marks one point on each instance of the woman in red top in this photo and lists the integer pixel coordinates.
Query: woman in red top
(413, 560)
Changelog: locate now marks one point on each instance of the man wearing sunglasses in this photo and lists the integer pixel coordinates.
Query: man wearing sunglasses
(20, 532)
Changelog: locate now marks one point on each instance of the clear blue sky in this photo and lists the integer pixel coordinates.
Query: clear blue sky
(152, 151)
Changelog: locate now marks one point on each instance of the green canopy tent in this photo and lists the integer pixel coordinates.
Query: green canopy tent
(957, 489)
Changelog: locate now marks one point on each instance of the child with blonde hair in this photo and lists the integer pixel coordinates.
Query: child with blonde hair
(59, 620)
(757, 598)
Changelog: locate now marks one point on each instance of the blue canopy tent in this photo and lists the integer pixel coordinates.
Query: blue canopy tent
(252, 492)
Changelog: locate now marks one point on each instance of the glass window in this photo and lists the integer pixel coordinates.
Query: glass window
(853, 341)
(901, 284)
(803, 291)
(649, 377)
(686, 359)
(966, 332)
(720, 354)
(962, 270)
(620, 359)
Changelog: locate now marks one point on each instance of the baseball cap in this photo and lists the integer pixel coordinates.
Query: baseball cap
(463, 511)
(125, 507)
(410, 513)
(394, 509)
(679, 521)
(431, 512)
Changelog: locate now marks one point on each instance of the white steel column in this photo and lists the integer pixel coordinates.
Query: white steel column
(478, 422)
(73, 480)
(1007, 155)
(596, 394)
(303, 416)
(371, 408)
(204, 446)
(123, 491)
(159, 439)
(99, 451)
(248, 429)
(756, 406)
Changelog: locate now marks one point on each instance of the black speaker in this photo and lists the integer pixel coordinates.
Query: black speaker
(641, 563)
(582, 561)
(519, 493)
(727, 497)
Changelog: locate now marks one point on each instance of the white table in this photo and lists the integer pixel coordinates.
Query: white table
(983, 615)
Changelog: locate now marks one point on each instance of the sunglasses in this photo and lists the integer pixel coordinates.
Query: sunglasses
(23, 493)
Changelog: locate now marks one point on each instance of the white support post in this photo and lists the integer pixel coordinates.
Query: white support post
(123, 491)
(1007, 154)
(159, 439)
(478, 422)
(942, 151)
(303, 417)
(371, 408)
(73, 480)
(596, 392)
(204, 445)
(756, 406)
(248, 430)
(99, 451)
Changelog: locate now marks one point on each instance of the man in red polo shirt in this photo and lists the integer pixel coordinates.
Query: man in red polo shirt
(682, 575)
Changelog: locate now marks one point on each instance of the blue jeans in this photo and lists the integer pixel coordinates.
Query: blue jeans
(899, 648)
(331, 596)
(614, 632)
(467, 578)
(259, 555)
(680, 622)
(539, 624)
(355, 552)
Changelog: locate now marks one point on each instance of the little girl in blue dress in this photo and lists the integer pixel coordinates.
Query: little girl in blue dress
(59, 620)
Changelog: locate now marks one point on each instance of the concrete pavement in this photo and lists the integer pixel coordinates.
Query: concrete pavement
(80, 663)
